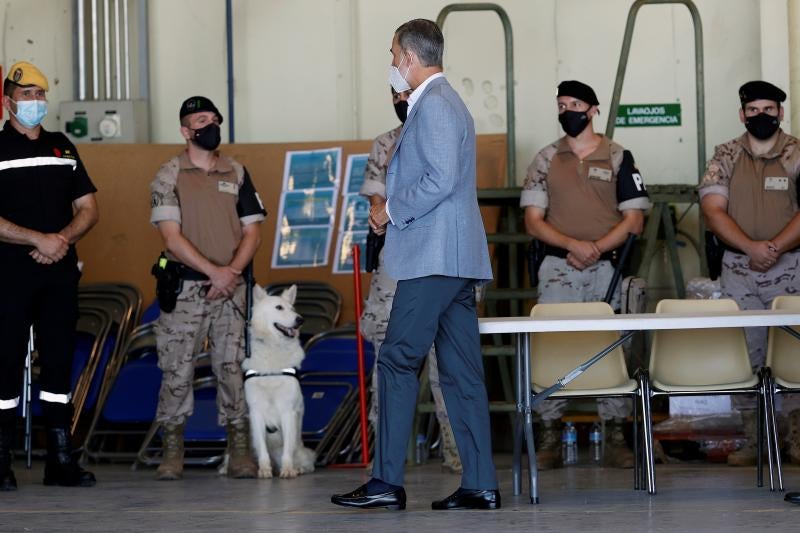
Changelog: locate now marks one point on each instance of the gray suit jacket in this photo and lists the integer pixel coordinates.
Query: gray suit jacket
(436, 225)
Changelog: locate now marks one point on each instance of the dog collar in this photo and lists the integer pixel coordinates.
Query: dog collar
(285, 372)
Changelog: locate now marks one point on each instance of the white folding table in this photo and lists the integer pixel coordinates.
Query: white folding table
(521, 327)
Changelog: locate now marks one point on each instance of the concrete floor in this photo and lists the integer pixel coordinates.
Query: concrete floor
(696, 497)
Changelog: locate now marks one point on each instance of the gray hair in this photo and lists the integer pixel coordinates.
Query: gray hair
(424, 38)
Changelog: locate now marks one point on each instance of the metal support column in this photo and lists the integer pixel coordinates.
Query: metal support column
(509, 38)
(699, 96)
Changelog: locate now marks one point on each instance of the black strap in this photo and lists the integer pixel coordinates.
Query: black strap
(619, 265)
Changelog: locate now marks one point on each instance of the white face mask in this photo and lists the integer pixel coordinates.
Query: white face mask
(397, 80)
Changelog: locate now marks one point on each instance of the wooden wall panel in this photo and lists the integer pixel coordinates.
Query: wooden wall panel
(124, 245)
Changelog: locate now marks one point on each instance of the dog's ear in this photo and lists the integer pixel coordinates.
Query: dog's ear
(290, 294)
(258, 293)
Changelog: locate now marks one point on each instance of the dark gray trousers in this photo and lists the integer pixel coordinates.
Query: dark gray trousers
(434, 310)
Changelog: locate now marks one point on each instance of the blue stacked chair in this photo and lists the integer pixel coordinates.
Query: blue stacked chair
(328, 377)
(129, 406)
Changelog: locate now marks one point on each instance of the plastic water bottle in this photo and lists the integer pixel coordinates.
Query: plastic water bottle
(596, 442)
(421, 451)
(570, 444)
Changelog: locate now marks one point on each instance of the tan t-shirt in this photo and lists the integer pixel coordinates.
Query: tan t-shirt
(581, 197)
(761, 189)
(205, 204)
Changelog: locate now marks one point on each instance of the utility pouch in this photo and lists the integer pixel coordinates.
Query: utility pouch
(374, 246)
(536, 254)
(714, 252)
(168, 283)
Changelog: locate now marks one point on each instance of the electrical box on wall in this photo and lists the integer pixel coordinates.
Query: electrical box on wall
(105, 121)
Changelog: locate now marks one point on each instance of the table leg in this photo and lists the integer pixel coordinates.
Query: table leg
(648, 439)
(764, 403)
(532, 468)
(519, 432)
(525, 352)
(637, 449)
(761, 425)
(773, 427)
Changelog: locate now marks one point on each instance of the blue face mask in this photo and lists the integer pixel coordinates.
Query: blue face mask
(30, 113)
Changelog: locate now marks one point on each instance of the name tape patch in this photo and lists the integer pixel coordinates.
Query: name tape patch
(228, 187)
(597, 173)
(776, 183)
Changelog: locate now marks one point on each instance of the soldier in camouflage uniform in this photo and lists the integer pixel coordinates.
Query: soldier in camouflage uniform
(375, 316)
(749, 200)
(208, 214)
(582, 196)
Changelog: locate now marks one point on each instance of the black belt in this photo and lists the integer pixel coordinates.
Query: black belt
(729, 248)
(555, 251)
(190, 274)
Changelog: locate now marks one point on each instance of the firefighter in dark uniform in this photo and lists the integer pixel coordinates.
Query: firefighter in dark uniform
(47, 205)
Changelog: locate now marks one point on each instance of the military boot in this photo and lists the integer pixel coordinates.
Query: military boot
(171, 467)
(617, 453)
(793, 438)
(746, 455)
(452, 461)
(548, 449)
(240, 459)
(61, 468)
(7, 479)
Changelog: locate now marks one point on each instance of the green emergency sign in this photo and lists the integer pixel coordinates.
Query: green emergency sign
(641, 115)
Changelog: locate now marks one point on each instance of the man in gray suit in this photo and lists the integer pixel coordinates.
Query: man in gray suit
(436, 249)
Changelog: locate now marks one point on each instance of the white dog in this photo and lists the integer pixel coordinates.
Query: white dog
(273, 395)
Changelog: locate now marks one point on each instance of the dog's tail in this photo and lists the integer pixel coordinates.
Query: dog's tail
(306, 458)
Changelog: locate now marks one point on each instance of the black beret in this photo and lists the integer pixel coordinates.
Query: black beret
(578, 90)
(197, 104)
(760, 90)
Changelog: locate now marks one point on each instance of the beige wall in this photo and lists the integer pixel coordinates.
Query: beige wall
(316, 70)
(794, 63)
(40, 31)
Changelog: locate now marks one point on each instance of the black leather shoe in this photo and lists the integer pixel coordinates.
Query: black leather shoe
(68, 475)
(469, 499)
(7, 480)
(792, 497)
(393, 499)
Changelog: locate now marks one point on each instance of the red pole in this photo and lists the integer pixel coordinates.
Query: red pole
(362, 380)
(362, 386)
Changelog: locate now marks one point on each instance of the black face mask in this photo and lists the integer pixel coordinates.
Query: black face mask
(762, 126)
(208, 137)
(573, 122)
(401, 108)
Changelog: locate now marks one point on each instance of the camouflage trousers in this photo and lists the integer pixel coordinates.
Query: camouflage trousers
(560, 283)
(374, 320)
(756, 290)
(182, 334)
